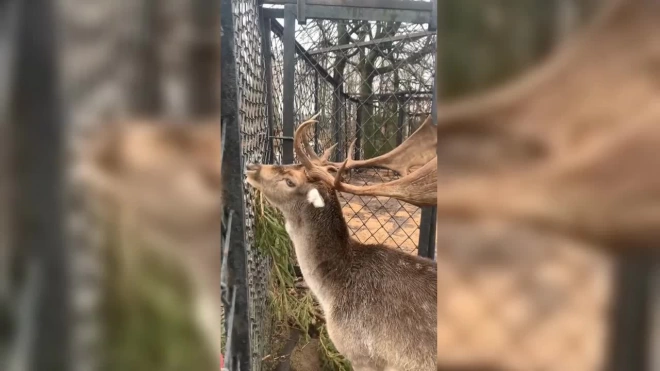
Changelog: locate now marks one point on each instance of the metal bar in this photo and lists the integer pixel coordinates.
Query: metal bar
(629, 340)
(8, 30)
(433, 22)
(266, 48)
(365, 14)
(288, 81)
(426, 246)
(412, 36)
(399, 126)
(301, 12)
(373, 4)
(39, 135)
(316, 109)
(278, 29)
(399, 94)
(8, 27)
(655, 324)
(336, 124)
(203, 58)
(146, 85)
(233, 197)
(358, 134)
(434, 103)
(427, 228)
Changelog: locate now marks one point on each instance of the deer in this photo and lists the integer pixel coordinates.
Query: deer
(556, 149)
(162, 180)
(379, 303)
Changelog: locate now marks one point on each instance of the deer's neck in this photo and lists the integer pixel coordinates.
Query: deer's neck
(321, 241)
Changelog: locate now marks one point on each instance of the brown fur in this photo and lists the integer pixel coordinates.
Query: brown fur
(164, 181)
(379, 303)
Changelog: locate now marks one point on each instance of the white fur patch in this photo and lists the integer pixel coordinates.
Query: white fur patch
(314, 198)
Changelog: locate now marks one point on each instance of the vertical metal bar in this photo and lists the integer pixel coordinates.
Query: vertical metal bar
(288, 81)
(40, 221)
(426, 246)
(399, 125)
(203, 58)
(428, 221)
(629, 340)
(302, 18)
(316, 109)
(232, 177)
(268, 66)
(358, 133)
(146, 83)
(336, 123)
(654, 349)
(433, 22)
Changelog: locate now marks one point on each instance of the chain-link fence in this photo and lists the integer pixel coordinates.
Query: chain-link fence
(370, 76)
(371, 82)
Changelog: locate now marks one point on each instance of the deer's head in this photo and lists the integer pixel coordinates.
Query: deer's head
(289, 187)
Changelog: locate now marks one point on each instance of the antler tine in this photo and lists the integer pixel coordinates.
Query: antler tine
(298, 145)
(313, 170)
(328, 152)
(349, 158)
(308, 148)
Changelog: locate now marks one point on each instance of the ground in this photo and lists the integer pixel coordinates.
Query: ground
(381, 219)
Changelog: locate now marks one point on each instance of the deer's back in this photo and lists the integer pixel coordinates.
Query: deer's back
(385, 307)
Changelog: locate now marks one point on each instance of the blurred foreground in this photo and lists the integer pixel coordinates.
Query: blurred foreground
(115, 106)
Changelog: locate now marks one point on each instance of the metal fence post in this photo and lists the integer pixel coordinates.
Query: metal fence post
(270, 154)
(428, 220)
(40, 222)
(288, 90)
(316, 109)
(336, 123)
(232, 177)
(631, 320)
(399, 124)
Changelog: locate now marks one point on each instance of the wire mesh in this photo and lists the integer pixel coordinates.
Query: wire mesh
(253, 126)
(371, 82)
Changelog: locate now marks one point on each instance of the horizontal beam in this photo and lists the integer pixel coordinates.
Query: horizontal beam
(371, 4)
(352, 13)
(411, 36)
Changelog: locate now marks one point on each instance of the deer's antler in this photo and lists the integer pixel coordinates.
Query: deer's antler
(417, 186)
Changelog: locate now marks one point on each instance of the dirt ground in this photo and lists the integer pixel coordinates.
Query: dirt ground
(523, 300)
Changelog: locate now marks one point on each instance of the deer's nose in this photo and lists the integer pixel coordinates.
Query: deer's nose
(253, 167)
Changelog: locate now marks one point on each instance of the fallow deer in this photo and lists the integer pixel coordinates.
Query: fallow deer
(379, 303)
(164, 181)
(414, 160)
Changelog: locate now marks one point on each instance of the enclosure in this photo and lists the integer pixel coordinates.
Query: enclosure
(514, 297)
(368, 69)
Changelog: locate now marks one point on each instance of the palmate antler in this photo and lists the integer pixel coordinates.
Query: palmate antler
(597, 126)
(414, 160)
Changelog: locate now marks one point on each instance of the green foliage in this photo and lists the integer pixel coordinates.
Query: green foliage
(289, 306)
(149, 319)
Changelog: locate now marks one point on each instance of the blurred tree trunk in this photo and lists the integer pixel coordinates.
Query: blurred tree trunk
(204, 59)
(145, 84)
(91, 34)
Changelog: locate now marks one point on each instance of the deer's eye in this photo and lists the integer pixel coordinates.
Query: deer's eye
(290, 183)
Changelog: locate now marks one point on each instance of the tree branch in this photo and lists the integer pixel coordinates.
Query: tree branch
(413, 58)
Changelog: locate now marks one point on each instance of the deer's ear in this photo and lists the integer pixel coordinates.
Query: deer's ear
(315, 198)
